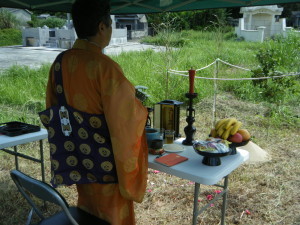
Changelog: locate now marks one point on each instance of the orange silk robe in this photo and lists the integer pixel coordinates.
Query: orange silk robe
(94, 83)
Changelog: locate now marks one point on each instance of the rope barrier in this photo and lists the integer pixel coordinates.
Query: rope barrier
(207, 66)
(246, 78)
(239, 67)
(170, 70)
(176, 72)
(253, 78)
(215, 78)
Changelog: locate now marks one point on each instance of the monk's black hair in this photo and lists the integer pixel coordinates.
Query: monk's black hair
(87, 14)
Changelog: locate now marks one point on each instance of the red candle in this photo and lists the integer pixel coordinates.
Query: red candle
(192, 74)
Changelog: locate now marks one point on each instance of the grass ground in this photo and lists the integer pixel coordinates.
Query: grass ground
(260, 194)
(264, 193)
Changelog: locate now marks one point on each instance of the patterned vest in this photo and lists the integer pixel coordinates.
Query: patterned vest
(80, 144)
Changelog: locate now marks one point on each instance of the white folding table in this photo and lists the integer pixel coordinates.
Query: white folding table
(194, 170)
(13, 142)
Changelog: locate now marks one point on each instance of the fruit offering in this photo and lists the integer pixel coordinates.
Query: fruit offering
(230, 129)
(212, 145)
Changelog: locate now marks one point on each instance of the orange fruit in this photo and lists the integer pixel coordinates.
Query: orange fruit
(245, 134)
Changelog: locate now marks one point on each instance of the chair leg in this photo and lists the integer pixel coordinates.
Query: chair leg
(29, 217)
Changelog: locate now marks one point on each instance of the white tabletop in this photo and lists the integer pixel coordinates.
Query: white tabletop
(6, 141)
(194, 170)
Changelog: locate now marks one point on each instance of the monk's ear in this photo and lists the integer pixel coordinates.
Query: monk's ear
(101, 26)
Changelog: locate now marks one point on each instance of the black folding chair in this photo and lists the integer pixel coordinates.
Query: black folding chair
(67, 216)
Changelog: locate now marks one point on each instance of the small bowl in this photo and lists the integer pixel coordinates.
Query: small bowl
(150, 130)
(156, 151)
(156, 144)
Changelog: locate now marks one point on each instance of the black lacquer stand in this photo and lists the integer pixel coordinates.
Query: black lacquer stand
(190, 130)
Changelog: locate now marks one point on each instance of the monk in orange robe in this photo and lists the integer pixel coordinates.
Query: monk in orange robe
(95, 84)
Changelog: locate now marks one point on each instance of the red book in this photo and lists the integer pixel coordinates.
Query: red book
(171, 159)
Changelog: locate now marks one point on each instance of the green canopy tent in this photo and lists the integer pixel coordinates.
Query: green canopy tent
(141, 6)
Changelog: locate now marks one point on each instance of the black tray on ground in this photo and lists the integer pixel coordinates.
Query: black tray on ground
(16, 128)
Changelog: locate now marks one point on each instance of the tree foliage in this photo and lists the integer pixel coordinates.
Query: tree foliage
(288, 8)
(50, 22)
(199, 19)
(8, 20)
(195, 20)
(10, 36)
(274, 57)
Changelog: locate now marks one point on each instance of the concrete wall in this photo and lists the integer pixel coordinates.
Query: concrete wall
(290, 29)
(278, 27)
(259, 23)
(138, 33)
(252, 35)
(119, 33)
(119, 36)
(260, 33)
(65, 33)
(63, 37)
(35, 36)
(264, 20)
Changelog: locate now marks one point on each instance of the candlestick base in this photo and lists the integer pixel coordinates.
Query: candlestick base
(190, 130)
(191, 95)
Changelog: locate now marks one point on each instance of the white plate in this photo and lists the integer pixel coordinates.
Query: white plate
(173, 148)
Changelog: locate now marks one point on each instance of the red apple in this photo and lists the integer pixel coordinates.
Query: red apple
(236, 138)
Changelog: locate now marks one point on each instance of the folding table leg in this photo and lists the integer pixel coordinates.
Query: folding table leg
(224, 204)
(196, 204)
(196, 211)
(16, 158)
(42, 166)
(42, 160)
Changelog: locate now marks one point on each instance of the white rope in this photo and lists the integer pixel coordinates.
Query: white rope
(207, 66)
(227, 63)
(196, 69)
(253, 78)
(220, 60)
(176, 72)
(215, 78)
(170, 70)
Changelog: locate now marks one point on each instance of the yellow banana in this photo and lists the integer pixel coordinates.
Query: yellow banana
(226, 133)
(236, 127)
(213, 133)
(230, 122)
(220, 122)
(221, 129)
